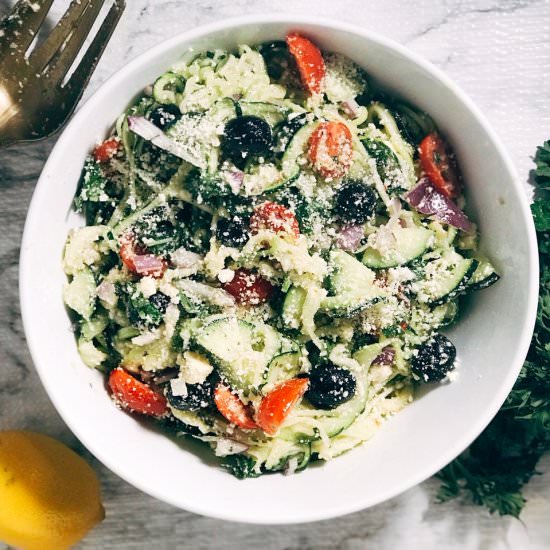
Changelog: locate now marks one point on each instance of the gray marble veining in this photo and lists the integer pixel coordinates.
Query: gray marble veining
(498, 51)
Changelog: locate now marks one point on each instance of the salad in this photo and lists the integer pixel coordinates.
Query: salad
(273, 245)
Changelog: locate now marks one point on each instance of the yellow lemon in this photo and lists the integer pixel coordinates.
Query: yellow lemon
(49, 496)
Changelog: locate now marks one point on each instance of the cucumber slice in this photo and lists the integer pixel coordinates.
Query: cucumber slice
(272, 114)
(285, 131)
(424, 318)
(292, 307)
(290, 165)
(240, 350)
(94, 327)
(80, 293)
(410, 243)
(90, 355)
(444, 234)
(484, 276)
(444, 278)
(352, 286)
(168, 88)
(282, 367)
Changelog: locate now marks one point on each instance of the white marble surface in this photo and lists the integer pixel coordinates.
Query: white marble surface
(499, 52)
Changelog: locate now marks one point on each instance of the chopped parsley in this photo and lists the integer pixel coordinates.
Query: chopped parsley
(493, 471)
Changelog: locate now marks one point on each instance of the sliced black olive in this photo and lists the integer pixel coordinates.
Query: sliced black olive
(199, 396)
(355, 202)
(434, 359)
(165, 116)
(277, 58)
(160, 301)
(245, 137)
(232, 231)
(330, 386)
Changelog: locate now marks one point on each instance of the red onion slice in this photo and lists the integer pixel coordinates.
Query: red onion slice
(148, 264)
(351, 107)
(235, 180)
(386, 357)
(349, 237)
(148, 131)
(428, 200)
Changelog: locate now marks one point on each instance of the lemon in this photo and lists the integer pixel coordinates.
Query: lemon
(50, 497)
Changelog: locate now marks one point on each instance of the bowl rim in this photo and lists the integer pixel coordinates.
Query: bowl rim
(232, 24)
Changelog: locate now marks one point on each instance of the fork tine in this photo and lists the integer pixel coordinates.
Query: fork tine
(22, 24)
(69, 23)
(80, 77)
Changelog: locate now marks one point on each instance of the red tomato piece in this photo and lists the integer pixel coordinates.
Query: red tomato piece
(233, 409)
(278, 403)
(136, 396)
(274, 217)
(141, 263)
(439, 165)
(309, 60)
(249, 288)
(330, 149)
(127, 252)
(106, 150)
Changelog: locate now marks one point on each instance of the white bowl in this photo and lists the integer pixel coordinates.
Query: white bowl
(492, 336)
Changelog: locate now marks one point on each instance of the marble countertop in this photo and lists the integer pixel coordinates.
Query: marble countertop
(498, 51)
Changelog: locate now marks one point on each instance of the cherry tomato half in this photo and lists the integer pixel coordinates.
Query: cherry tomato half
(277, 404)
(232, 408)
(248, 288)
(136, 396)
(439, 165)
(106, 150)
(309, 60)
(330, 149)
(274, 217)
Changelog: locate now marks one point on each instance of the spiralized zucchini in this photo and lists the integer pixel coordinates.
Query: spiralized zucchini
(211, 262)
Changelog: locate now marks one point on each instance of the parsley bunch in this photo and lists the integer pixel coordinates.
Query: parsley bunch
(504, 457)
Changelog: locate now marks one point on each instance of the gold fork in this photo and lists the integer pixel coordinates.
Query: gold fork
(37, 93)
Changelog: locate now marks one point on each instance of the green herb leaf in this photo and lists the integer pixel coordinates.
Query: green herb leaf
(494, 469)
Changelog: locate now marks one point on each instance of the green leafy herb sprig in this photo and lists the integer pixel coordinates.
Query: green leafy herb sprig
(493, 471)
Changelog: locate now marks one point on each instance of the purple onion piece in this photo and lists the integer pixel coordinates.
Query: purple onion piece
(148, 131)
(386, 357)
(349, 237)
(428, 200)
(351, 107)
(235, 179)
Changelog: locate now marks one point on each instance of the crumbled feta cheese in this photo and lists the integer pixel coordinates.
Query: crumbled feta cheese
(178, 387)
(194, 368)
(226, 275)
(147, 286)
